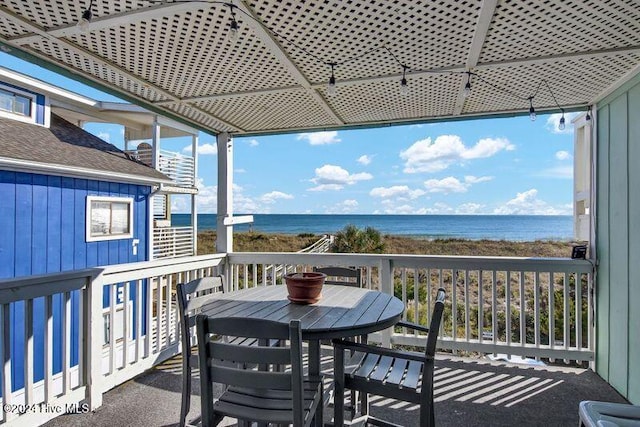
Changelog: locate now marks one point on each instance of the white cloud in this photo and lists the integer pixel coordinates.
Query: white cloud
(563, 155)
(332, 177)
(240, 170)
(344, 207)
(433, 156)
(440, 208)
(204, 149)
(364, 159)
(469, 208)
(562, 172)
(396, 191)
(253, 142)
(104, 136)
(553, 122)
(273, 196)
(527, 203)
(445, 185)
(453, 185)
(320, 138)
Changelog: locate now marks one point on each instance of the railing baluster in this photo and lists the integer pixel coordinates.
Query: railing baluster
(149, 317)
(536, 315)
(403, 281)
(126, 331)
(507, 308)
(494, 308)
(454, 304)
(159, 313)
(167, 312)
(578, 310)
(523, 313)
(5, 341)
(552, 322)
(467, 307)
(416, 297)
(48, 348)
(66, 343)
(113, 302)
(480, 306)
(28, 351)
(138, 330)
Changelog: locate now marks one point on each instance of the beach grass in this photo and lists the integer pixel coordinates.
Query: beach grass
(268, 242)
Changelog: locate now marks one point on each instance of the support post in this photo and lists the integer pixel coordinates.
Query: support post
(194, 205)
(224, 239)
(386, 286)
(94, 325)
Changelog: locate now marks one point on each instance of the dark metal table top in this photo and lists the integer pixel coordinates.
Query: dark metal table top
(342, 312)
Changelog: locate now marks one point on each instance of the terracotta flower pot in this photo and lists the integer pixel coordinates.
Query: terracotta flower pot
(304, 288)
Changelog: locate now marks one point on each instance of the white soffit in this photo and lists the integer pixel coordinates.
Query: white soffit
(177, 58)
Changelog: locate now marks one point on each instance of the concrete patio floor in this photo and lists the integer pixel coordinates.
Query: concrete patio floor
(468, 392)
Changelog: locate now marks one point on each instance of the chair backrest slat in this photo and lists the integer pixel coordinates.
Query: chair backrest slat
(199, 292)
(249, 354)
(344, 276)
(250, 328)
(434, 326)
(234, 376)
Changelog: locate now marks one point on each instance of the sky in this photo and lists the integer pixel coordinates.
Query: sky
(485, 166)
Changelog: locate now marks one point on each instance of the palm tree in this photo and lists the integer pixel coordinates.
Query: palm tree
(351, 239)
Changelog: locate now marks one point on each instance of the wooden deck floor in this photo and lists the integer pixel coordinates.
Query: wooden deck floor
(468, 392)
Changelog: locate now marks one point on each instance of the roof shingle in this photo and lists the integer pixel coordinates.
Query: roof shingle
(67, 145)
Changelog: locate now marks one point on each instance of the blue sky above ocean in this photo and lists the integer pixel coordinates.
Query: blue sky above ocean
(507, 166)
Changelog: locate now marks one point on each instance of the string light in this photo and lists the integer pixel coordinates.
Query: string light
(532, 111)
(233, 26)
(467, 88)
(404, 88)
(83, 23)
(562, 125)
(331, 86)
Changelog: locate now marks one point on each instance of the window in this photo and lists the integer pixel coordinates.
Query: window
(15, 103)
(109, 218)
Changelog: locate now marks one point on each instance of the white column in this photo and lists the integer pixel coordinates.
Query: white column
(155, 143)
(224, 241)
(194, 207)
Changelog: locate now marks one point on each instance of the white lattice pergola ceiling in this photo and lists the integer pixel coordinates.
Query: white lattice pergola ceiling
(177, 58)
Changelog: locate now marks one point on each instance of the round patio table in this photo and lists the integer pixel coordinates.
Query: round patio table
(342, 312)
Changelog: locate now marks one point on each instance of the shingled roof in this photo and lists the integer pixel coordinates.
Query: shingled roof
(66, 147)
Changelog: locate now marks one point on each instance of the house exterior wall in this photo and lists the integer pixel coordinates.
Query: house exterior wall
(43, 230)
(618, 240)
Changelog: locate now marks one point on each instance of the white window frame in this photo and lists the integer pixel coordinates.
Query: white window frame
(90, 200)
(20, 117)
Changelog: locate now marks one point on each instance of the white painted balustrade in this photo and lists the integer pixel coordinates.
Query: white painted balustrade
(178, 167)
(541, 308)
(119, 321)
(172, 242)
(101, 327)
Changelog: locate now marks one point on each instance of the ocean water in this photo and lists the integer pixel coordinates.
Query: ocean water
(473, 227)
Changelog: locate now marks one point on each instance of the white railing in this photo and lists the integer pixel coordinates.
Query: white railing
(178, 167)
(530, 307)
(172, 242)
(116, 340)
(118, 321)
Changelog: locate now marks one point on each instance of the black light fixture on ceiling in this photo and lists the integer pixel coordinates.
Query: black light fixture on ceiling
(331, 86)
(404, 88)
(83, 22)
(233, 26)
(562, 124)
(588, 117)
(532, 111)
(467, 88)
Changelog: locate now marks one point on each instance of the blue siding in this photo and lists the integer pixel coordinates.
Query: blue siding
(43, 226)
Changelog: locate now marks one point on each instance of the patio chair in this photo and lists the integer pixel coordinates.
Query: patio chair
(605, 414)
(285, 397)
(396, 374)
(192, 296)
(341, 276)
